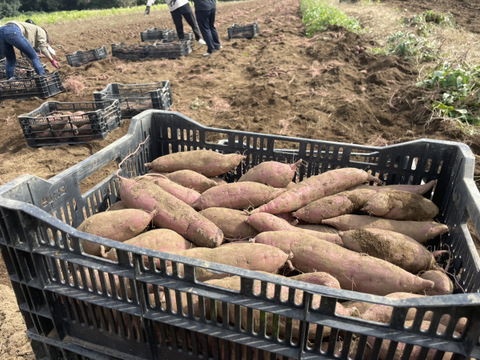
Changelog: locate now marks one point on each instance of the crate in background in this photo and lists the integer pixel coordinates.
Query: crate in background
(79, 58)
(135, 98)
(123, 310)
(43, 86)
(243, 31)
(155, 34)
(55, 123)
(170, 50)
(129, 51)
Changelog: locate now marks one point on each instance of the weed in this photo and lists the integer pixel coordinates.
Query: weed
(317, 16)
(454, 92)
(410, 47)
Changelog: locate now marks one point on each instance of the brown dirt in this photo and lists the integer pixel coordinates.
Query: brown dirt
(326, 87)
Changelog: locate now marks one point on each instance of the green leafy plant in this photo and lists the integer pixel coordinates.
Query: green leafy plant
(454, 92)
(430, 17)
(410, 47)
(317, 16)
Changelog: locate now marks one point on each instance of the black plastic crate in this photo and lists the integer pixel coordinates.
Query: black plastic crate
(129, 51)
(79, 58)
(243, 31)
(135, 98)
(23, 69)
(170, 50)
(41, 249)
(155, 34)
(43, 86)
(55, 123)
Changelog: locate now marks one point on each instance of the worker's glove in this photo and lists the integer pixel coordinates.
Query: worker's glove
(55, 63)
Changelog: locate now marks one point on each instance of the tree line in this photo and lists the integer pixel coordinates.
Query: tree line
(11, 8)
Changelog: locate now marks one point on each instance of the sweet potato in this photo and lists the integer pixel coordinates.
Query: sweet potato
(421, 231)
(273, 173)
(117, 206)
(119, 225)
(165, 240)
(237, 195)
(192, 179)
(264, 222)
(171, 212)
(315, 187)
(187, 195)
(443, 284)
(345, 202)
(249, 256)
(400, 205)
(354, 271)
(232, 222)
(318, 278)
(206, 162)
(394, 247)
(318, 227)
(284, 239)
(420, 189)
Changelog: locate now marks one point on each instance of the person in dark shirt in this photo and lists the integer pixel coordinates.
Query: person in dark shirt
(205, 11)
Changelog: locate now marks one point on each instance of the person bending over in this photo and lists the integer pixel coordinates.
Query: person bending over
(26, 38)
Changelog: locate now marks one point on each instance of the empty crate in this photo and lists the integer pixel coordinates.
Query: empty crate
(243, 31)
(80, 58)
(134, 98)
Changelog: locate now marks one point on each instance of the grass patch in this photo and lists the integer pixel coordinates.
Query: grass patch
(317, 16)
(67, 16)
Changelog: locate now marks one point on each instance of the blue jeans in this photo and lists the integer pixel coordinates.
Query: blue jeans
(10, 37)
(206, 23)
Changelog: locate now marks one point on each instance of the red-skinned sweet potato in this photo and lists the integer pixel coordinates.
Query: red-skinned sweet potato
(249, 256)
(273, 173)
(443, 284)
(171, 212)
(420, 189)
(232, 222)
(187, 195)
(421, 231)
(354, 271)
(237, 195)
(119, 225)
(345, 202)
(165, 240)
(316, 187)
(394, 247)
(192, 179)
(264, 222)
(400, 205)
(206, 162)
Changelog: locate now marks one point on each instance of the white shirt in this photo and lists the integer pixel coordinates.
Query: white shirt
(178, 3)
(150, 2)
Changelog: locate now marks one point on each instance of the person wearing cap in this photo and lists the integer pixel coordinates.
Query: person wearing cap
(180, 9)
(26, 38)
(205, 11)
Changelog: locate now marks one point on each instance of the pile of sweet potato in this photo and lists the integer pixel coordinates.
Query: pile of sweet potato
(341, 228)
